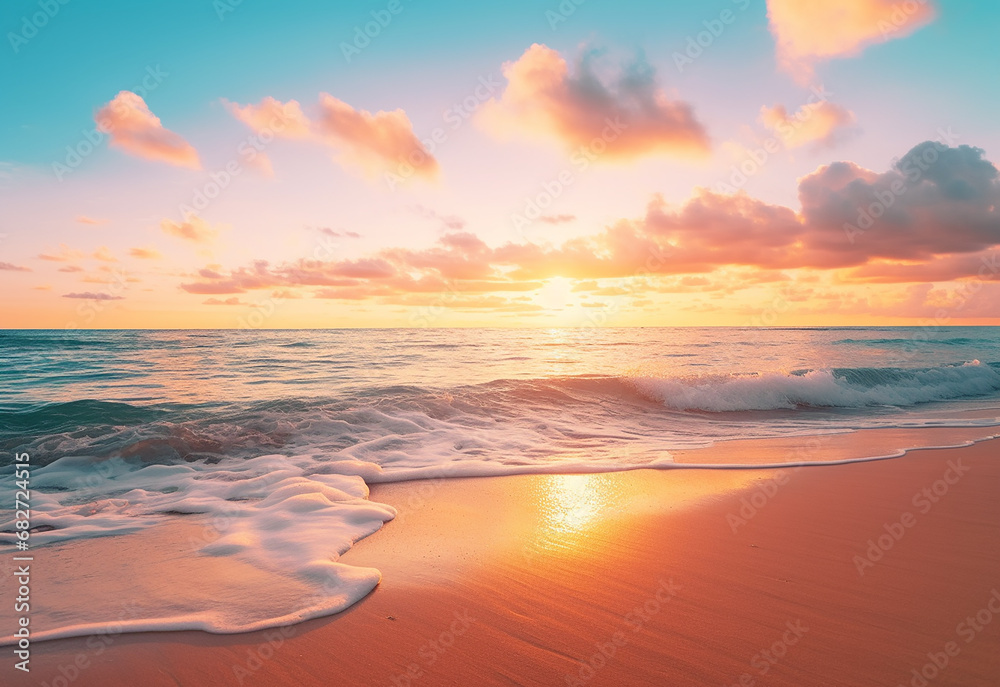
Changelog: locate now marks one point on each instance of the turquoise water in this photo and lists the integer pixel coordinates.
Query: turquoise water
(410, 398)
(270, 439)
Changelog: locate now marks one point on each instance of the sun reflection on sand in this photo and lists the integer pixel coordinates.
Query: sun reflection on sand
(570, 505)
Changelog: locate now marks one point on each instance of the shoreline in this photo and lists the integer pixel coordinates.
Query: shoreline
(548, 568)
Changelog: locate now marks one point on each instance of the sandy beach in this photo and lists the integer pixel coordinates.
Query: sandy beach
(539, 344)
(858, 574)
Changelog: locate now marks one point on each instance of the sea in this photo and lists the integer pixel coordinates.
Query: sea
(278, 434)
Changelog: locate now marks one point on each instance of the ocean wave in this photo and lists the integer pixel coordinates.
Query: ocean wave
(55, 341)
(48, 418)
(548, 412)
(916, 341)
(834, 388)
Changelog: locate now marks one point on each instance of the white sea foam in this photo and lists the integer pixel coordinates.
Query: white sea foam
(289, 517)
(124, 467)
(821, 388)
(270, 512)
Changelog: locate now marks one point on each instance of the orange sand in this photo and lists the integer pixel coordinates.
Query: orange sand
(633, 578)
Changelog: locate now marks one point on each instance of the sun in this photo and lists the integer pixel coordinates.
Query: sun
(556, 294)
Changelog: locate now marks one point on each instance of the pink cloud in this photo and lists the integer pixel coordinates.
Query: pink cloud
(260, 162)
(92, 296)
(84, 219)
(940, 220)
(372, 142)
(935, 200)
(273, 116)
(217, 301)
(375, 142)
(145, 253)
(137, 131)
(65, 254)
(985, 264)
(556, 219)
(820, 123)
(627, 118)
(222, 287)
(810, 32)
(104, 254)
(193, 228)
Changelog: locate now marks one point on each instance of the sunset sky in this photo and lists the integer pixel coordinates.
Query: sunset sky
(398, 163)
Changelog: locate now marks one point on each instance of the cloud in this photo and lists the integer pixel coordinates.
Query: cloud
(821, 123)
(137, 131)
(260, 162)
(985, 264)
(371, 142)
(374, 142)
(145, 253)
(65, 254)
(193, 228)
(84, 219)
(628, 116)
(338, 234)
(556, 219)
(213, 287)
(450, 222)
(71, 268)
(807, 33)
(216, 301)
(936, 200)
(92, 296)
(10, 267)
(285, 120)
(939, 218)
(104, 254)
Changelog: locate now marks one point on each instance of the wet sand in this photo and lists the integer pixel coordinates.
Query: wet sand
(823, 575)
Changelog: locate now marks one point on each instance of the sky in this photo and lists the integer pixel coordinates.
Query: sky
(408, 163)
